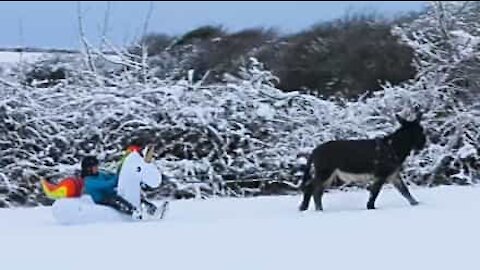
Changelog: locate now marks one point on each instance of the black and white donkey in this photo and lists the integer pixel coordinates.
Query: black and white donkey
(377, 159)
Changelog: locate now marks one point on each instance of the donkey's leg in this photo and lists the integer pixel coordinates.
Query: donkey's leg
(324, 179)
(403, 189)
(317, 197)
(307, 194)
(397, 182)
(374, 190)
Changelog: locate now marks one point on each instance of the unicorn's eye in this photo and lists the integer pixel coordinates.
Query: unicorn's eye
(139, 169)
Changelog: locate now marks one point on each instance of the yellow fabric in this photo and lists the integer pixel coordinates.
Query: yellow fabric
(57, 193)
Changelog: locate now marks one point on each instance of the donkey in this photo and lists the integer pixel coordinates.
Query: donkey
(378, 159)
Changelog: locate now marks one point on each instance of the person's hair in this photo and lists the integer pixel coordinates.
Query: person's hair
(87, 163)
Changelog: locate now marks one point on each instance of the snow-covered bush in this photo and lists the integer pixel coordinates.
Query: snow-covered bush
(211, 138)
(446, 42)
(212, 134)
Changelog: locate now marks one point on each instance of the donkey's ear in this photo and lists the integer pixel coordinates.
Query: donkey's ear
(401, 120)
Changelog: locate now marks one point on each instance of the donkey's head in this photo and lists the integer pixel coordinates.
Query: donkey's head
(413, 132)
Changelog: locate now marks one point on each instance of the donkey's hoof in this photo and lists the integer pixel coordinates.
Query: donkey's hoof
(370, 207)
(414, 203)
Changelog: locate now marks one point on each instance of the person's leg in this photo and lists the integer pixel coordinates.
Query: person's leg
(119, 204)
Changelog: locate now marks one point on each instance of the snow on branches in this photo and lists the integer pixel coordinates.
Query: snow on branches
(212, 137)
(446, 41)
(242, 129)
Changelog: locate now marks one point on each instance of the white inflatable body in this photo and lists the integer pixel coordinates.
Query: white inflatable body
(83, 210)
(135, 170)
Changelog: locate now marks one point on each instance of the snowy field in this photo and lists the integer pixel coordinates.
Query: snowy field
(260, 233)
(30, 57)
(14, 57)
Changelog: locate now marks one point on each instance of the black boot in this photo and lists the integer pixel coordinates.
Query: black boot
(151, 208)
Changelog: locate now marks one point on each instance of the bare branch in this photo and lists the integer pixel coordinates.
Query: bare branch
(106, 20)
(87, 56)
(144, 48)
(147, 18)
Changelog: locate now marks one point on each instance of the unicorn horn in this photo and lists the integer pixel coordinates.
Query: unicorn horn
(149, 155)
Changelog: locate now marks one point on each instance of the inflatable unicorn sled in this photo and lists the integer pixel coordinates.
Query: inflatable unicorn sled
(73, 206)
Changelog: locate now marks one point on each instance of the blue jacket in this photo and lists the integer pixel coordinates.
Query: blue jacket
(101, 186)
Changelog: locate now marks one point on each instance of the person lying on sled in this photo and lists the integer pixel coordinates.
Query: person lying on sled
(101, 186)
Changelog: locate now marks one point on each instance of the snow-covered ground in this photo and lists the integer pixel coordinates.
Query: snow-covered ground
(31, 57)
(260, 233)
(15, 57)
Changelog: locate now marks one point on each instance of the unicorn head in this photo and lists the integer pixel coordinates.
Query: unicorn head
(135, 170)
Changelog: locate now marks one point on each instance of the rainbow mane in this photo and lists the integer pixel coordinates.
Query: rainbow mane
(67, 188)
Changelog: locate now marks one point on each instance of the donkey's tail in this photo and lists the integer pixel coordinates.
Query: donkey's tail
(306, 173)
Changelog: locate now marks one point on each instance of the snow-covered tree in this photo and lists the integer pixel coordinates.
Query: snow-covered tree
(212, 137)
(446, 41)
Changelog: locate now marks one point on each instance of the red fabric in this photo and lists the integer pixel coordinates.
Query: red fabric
(78, 186)
(134, 148)
(74, 186)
